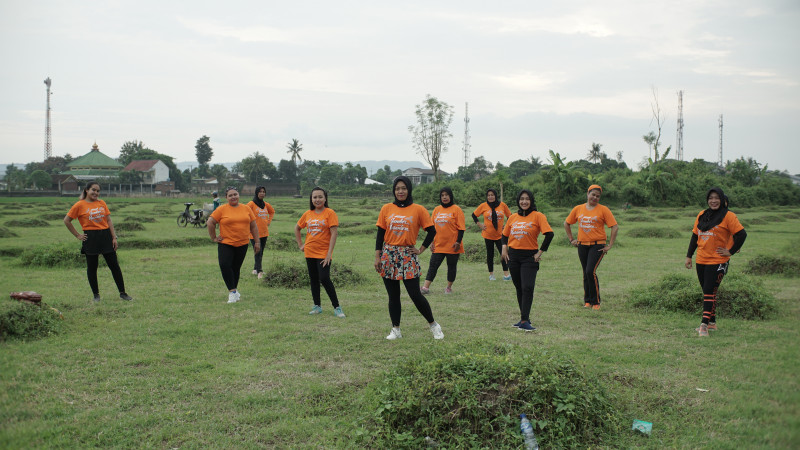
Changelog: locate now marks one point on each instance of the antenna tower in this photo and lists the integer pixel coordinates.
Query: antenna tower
(466, 135)
(720, 140)
(679, 138)
(48, 142)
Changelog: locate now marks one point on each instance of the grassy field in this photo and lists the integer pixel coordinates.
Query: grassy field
(178, 367)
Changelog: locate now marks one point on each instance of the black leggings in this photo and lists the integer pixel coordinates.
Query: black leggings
(710, 276)
(590, 256)
(523, 270)
(259, 255)
(412, 287)
(490, 254)
(230, 263)
(436, 261)
(92, 262)
(319, 274)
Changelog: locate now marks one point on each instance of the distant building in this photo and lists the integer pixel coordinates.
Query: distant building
(153, 171)
(93, 166)
(422, 176)
(64, 183)
(369, 181)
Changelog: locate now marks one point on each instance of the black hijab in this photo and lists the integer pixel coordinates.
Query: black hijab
(711, 218)
(450, 193)
(259, 202)
(493, 205)
(523, 212)
(409, 199)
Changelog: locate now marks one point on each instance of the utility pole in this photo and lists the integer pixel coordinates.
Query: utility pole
(679, 138)
(48, 143)
(720, 140)
(466, 135)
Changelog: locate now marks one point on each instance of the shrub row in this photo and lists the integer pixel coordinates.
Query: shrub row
(28, 222)
(294, 275)
(768, 264)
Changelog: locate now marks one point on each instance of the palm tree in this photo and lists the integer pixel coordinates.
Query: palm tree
(295, 147)
(595, 154)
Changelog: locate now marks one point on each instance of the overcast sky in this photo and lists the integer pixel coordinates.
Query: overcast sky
(344, 77)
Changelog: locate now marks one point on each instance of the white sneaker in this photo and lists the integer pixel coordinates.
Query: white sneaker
(491, 277)
(255, 272)
(394, 334)
(233, 297)
(238, 295)
(437, 331)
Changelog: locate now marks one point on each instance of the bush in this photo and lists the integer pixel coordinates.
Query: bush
(60, 255)
(129, 226)
(195, 241)
(654, 232)
(770, 265)
(281, 242)
(294, 275)
(473, 399)
(739, 296)
(792, 215)
(667, 216)
(21, 320)
(52, 216)
(772, 219)
(28, 222)
(6, 233)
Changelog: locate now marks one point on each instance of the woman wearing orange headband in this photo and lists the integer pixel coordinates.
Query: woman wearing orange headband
(592, 218)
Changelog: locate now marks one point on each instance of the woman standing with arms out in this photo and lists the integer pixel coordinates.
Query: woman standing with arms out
(323, 226)
(449, 221)
(396, 255)
(264, 213)
(592, 218)
(717, 235)
(494, 214)
(521, 251)
(98, 237)
(236, 224)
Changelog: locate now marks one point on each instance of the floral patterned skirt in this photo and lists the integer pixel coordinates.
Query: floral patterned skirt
(399, 263)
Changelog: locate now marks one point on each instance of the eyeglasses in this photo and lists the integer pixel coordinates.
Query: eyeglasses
(234, 188)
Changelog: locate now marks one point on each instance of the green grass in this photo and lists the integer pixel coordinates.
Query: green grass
(178, 367)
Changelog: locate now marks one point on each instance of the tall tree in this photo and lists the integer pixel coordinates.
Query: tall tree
(431, 133)
(256, 168)
(41, 179)
(295, 147)
(204, 153)
(595, 154)
(653, 139)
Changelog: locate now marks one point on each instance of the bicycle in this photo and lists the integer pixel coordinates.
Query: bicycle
(198, 219)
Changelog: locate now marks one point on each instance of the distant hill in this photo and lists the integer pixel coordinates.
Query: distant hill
(370, 165)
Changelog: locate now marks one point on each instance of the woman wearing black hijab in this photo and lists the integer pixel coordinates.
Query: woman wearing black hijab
(522, 252)
(449, 221)
(396, 257)
(717, 235)
(494, 214)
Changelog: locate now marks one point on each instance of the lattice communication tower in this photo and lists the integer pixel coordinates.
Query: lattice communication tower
(466, 135)
(48, 142)
(679, 138)
(720, 140)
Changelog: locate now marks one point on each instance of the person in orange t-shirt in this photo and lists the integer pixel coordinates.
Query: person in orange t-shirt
(323, 226)
(717, 234)
(494, 214)
(396, 257)
(592, 218)
(449, 221)
(264, 213)
(98, 237)
(236, 224)
(522, 252)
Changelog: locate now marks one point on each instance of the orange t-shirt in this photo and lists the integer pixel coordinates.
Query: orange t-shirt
(523, 232)
(402, 224)
(234, 223)
(263, 217)
(502, 213)
(318, 236)
(448, 221)
(719, 236)
(91, 215)
(591, 223)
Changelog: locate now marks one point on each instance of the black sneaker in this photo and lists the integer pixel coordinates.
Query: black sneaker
(526, 326)
(124, 296)
(516, 325)
(96, 298)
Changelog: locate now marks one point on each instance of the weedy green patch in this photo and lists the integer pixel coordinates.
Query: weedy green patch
(739, 296)
(294, 275)
(654, 232)
(60, 255)
(773, 265)
(638, 218)
(473, 398)
(21, 320)
(28, 222)
(129, 226)
(6, 233)
(281, 242)
(143, 219)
